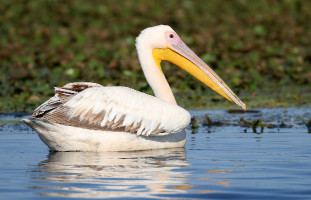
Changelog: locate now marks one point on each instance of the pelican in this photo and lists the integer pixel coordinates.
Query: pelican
(85, 116)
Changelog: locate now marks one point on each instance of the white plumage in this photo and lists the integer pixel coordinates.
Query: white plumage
(89, 117)
(127, 107)
(108, 119)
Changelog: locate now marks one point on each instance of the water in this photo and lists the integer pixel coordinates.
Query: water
(219, 162)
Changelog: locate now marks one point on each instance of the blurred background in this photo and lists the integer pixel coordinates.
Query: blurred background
(261, 49)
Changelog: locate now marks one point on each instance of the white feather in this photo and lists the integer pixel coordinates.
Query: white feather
(111, 107)
(137, 108)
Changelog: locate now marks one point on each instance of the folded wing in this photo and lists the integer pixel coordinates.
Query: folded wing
(92, 106)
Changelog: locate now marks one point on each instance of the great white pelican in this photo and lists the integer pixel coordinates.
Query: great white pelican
(86, 116)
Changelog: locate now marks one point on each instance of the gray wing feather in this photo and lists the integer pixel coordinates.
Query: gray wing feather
(62, 95)
(47, 106)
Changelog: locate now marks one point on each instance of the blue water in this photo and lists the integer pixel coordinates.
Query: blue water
(218, 162)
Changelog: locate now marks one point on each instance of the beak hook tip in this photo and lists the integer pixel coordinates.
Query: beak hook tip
(245, 108)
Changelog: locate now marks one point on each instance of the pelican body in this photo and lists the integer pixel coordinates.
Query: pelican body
(86, 116)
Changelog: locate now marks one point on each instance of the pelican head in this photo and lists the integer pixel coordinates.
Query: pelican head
(159, 43)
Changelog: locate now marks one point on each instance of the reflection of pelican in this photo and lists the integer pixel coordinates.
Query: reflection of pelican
(90, 117)
(115, 174)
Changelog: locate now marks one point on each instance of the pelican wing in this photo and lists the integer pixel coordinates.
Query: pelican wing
(62, 95)
(116, 109)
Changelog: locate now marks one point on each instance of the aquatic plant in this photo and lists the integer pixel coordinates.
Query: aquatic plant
(261, 48)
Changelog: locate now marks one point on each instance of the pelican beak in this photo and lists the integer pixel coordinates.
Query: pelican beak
(178, 53)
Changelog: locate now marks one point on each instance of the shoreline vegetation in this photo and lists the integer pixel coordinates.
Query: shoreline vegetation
(261, 49)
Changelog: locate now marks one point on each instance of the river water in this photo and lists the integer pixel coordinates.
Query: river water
(222, 160)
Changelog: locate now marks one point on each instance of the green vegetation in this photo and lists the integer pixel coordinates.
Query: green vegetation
(260, 48)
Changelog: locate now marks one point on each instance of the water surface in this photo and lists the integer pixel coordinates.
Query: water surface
(218, 162)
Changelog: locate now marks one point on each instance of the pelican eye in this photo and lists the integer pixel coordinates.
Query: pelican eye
(171, 36)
